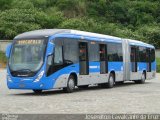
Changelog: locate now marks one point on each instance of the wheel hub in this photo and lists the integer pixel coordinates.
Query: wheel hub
(71, 84)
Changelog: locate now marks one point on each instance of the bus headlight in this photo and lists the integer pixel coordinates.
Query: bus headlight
(39, 77)
(9, 78)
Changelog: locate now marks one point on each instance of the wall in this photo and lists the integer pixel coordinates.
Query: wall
(158, 53)
(3, 44)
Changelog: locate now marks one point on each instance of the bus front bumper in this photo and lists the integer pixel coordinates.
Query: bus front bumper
(41, 85)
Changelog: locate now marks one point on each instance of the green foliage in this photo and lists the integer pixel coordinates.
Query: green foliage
(5, 4)
(151, 34)
(72, 8)
(158, 64)
(22, 4)
(14, 21)
(3, 59)
(134, 19)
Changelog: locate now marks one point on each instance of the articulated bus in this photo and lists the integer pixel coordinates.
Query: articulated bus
(64, 59)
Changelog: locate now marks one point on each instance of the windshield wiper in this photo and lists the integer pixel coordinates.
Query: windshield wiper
(24, 70)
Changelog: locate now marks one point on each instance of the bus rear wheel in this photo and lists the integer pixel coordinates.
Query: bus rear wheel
(143, 78)
(70, 85)
(37, 91)
(111, 81)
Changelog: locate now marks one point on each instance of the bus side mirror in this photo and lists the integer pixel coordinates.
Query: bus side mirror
(8, 50)
(50, 49)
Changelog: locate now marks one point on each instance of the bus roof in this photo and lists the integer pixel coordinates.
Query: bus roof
(136, 42)
(50, 32)
(41, 33)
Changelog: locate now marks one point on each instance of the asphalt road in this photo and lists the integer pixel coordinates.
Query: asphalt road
(126, 98)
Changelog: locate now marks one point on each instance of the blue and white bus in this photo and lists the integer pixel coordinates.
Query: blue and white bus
(62, 58)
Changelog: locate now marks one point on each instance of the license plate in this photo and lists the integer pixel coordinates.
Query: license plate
(21, 85)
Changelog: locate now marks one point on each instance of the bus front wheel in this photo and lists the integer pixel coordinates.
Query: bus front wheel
(70, 85)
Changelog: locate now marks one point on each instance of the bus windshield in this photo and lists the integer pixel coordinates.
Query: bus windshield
(27, 55)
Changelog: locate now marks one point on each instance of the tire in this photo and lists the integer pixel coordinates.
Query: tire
(142, 81)
(111, 81)
(143, 78)
(83, 86)
(70, 85)
(37, 91)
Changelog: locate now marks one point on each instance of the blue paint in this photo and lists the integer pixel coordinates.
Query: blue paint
(115, 66)
(142, 66)
(153, 66)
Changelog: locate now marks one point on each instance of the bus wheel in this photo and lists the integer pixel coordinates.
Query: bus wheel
(111, 81)
(70, 85)
(143, 78)
(142, 81)
(37, 91)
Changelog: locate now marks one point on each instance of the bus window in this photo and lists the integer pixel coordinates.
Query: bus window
(114, 52)
(119, 51)
(103, 58)
(58, 59)
(142, 54)
(83, 58)
(103, 52)
(93, 51)
(148, 59)
(152, 55)
(133, 57)
(70, 47)
(83, 55)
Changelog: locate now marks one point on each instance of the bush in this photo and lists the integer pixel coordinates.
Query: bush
(15, 21)
(158, 64)
(151, 34)
(3, 59)
(131, 19)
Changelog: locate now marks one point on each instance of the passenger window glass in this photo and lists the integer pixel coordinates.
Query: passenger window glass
(58, 59)
(83, 51)
(93, 51)
(142, 54)
(133, 53)
(70, 50)
(114, 52)
(152, 55)
(103, 51)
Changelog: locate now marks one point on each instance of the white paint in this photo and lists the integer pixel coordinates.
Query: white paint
(92, 78)
(93, 67)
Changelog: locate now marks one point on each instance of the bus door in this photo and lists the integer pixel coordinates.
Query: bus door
(133, 58)
(83, 58)
(103, 58)
(148, 56)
